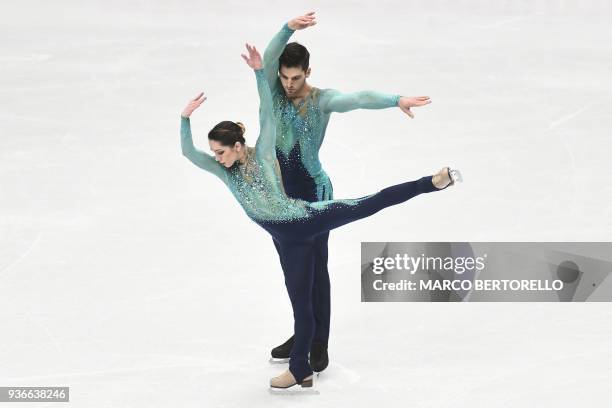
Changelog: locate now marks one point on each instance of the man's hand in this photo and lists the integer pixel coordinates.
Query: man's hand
(254, 58)
(302, 22)
(407, 102)
(193, 105)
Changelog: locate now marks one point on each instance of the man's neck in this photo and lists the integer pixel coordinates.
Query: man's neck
(303, 92)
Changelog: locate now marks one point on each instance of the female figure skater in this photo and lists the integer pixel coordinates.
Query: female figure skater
(254, 178)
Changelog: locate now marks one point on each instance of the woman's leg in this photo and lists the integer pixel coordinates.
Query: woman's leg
(328, 215)
(280, 353)
(324, 216)
(298, 267)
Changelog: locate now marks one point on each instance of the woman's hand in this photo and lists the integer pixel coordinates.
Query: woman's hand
(254, 58)
(193, 105)
(301, 22)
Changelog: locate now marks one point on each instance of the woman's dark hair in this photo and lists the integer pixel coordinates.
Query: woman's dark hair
(227, 133)
(294, 55)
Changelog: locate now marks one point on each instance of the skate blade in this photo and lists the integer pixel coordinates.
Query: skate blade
(278, 360)
(456, 176)
(293, 391)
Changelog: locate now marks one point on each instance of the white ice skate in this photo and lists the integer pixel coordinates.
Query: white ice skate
(453, 175)
(287, 380)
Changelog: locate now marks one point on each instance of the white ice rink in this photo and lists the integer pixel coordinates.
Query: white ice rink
(135, 278)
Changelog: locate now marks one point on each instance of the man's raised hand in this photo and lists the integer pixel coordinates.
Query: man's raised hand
(302, 22)
(254, 58)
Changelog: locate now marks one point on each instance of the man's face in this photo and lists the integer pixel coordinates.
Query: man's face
(293, 79)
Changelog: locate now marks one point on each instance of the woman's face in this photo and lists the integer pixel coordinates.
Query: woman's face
(226, 155)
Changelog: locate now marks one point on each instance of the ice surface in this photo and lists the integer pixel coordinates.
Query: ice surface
(135, 278)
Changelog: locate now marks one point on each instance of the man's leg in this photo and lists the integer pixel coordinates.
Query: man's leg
(321, 305)
(321, 290)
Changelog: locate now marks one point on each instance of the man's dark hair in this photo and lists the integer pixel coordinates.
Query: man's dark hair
(294, 55)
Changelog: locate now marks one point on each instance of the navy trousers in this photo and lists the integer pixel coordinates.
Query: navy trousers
(296, 243)
(305, 189)
(321, 300)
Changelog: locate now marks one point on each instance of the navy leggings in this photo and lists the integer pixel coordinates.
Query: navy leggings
(321, 300)
(296, 245)
(303, 187)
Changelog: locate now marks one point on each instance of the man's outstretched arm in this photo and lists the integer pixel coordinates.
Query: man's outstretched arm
(279, 41)
(335, 101)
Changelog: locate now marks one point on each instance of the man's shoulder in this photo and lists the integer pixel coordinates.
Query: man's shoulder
(323, 95)
(326, 93)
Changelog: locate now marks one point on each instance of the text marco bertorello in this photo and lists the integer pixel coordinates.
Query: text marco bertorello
(456, 265)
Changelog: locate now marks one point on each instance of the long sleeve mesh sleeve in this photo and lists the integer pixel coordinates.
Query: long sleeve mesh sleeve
(197, 157)
(336, 101)
(273, 52)
(266, 142)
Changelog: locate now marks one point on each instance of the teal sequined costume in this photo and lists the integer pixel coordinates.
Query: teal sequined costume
(294, 223)
(300, 129)
(257, 184)
(300, 132)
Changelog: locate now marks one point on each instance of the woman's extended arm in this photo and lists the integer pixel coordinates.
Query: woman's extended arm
(197, 157)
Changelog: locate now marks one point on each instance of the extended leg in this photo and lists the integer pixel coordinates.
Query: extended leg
(336, 213)
(327, 215)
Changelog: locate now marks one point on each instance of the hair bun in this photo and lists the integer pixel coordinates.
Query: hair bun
(241, 126)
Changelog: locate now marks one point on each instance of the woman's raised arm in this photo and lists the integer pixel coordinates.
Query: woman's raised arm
(197, 157)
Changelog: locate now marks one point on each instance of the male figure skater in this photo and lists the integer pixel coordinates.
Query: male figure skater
(302, 113)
